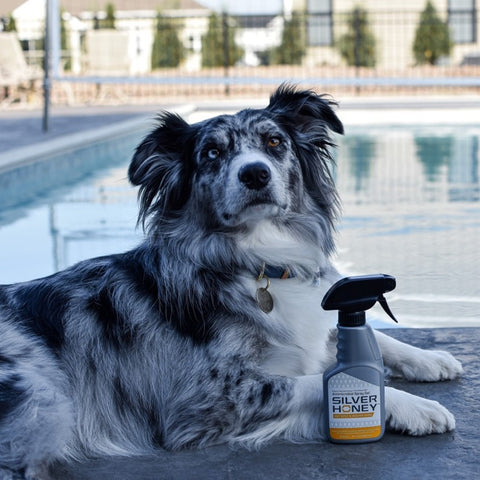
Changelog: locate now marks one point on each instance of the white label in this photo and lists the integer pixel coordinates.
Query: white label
(354, 408)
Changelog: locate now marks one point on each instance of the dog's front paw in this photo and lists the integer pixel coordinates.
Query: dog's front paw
(429, 366)
(407, 413)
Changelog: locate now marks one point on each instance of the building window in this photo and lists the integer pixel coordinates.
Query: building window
(319, 22)
(462, 20)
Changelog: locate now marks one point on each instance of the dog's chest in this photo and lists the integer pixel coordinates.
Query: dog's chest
(303, 325)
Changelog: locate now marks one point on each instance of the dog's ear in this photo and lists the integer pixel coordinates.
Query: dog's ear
(160, 166)
(307, 116)
(303, 109)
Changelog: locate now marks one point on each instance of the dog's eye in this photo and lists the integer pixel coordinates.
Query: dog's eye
(274, 142)
(213, 153)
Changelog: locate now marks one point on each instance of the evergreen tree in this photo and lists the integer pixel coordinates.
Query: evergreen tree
(432, 37)
(167, 50)
(63, 32)
(109, 21)
(294, 46)
(64, 42)
(358, 46)
(219, 43)
(10, 25)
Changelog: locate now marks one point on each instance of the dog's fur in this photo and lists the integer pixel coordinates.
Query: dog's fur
(165, 345)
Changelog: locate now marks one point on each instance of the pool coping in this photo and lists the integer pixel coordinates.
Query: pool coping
(40, 151)
(377, 112)
(404, 117)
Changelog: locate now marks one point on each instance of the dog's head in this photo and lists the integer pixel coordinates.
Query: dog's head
(232, 171)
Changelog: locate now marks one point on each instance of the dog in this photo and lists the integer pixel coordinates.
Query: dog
(210, 331)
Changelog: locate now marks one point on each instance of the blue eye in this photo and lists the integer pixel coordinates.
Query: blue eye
(213, 153)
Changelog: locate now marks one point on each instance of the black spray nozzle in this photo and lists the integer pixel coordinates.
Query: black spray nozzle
(353, 295)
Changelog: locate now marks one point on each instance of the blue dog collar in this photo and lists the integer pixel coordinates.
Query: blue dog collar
(274, 271)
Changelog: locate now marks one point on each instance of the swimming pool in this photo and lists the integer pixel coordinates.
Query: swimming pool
(410, 209)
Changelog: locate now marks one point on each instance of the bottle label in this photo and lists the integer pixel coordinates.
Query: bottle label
(354, 408)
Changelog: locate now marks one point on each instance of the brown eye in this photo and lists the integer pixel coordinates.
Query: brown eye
(274, 142)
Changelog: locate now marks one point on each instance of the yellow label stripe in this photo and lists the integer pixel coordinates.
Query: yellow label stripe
(355, 433)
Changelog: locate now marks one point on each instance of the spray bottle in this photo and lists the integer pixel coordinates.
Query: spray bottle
(354, 390)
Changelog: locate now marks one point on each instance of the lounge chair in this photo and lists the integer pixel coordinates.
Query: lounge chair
(17, 79)
(108, 53)
(108, 57)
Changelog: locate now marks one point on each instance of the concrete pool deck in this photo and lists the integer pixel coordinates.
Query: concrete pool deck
(20, 128)
(452, 455)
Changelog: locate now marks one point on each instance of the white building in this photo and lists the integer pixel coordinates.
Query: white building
(393, 24)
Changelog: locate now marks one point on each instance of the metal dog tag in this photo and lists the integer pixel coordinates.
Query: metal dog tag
(264, 300)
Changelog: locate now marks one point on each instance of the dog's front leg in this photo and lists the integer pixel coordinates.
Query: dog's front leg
(298, 417)
(416, 364)
(238, 404)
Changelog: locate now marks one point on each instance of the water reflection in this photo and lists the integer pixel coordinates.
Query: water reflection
(434, 153)
(455, 155)
(94, 219)
(411, 209)
(463, 171)
(401, 166)
(360, 152)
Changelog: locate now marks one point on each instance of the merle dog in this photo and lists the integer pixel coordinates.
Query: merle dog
(211, 330)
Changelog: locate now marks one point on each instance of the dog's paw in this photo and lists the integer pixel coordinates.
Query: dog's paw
(413, 415)
(429, 366)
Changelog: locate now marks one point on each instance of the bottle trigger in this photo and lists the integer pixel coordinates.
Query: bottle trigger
(383, 302)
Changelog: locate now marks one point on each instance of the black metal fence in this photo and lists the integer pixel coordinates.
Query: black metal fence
(143, 56)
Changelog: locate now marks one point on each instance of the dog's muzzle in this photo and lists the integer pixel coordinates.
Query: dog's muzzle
(255, 176)
(254, 190)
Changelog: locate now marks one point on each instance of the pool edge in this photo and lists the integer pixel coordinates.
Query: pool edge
(39, 151)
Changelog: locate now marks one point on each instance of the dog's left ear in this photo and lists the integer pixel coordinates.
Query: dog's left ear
(161, 167)
(303, 109)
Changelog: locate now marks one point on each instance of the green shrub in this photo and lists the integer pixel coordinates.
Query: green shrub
(109, 21)
(432, 37)
(10, 25)
(294, 46)
(218, 44)
(358, 46)
(167, 50)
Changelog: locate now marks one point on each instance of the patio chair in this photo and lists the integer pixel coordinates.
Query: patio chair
(17, 79)
(107, 55)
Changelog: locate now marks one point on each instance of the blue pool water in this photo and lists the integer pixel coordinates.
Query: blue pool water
(411, 208)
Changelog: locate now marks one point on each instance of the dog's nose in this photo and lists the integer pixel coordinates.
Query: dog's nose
(255, 175)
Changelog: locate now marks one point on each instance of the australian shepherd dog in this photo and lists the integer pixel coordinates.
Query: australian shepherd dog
(170, 345)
